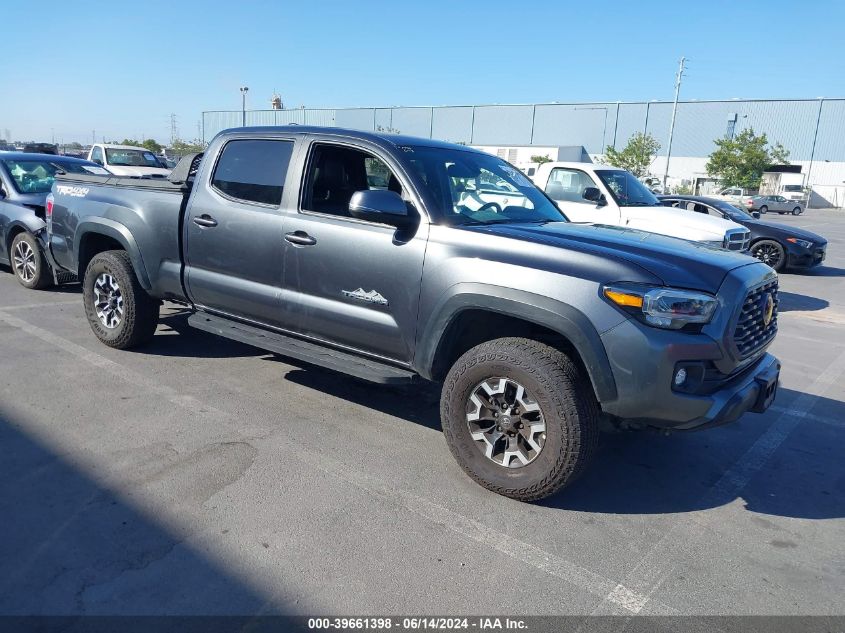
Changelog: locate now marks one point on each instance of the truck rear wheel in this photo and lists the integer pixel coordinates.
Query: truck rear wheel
(520, 417)
(119, 310)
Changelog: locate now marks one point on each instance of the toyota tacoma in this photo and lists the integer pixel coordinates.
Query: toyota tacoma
(355, 251)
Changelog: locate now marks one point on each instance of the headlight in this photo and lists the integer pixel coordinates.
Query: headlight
(668, 308)
(801, 243)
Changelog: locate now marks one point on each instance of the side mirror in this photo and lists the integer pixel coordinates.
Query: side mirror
(755, 214)
(380, 205)
(593, 194)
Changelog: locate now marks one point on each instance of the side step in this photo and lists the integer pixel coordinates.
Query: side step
(327, 357)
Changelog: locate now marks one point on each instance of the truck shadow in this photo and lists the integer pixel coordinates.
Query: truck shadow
(803, 477)
(789, 301)
(648, 473)
(70, 545)
(824, 271)
(176, 338)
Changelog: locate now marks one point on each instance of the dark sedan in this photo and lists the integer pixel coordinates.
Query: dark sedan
(778, 245)
(25, 181)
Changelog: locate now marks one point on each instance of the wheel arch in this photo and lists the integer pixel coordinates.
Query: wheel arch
(96, 235)
(473, 316)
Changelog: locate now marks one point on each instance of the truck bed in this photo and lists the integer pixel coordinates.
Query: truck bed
(142, 215)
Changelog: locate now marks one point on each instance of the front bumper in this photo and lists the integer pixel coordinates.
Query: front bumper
(797, 257)
(644, 361)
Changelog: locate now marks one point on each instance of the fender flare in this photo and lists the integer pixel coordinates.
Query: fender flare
(118, 232)
(540, 310)
(31, 226)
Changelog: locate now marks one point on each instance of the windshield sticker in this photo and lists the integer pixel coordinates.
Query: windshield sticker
(74, 192)
(517, 176)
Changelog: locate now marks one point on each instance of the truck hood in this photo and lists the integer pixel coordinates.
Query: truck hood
(688, 225)
(139, 171)
(679, 263)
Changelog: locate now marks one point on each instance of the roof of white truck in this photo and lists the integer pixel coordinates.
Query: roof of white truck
(114, 146)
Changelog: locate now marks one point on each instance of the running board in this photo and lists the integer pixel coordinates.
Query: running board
(337, 360)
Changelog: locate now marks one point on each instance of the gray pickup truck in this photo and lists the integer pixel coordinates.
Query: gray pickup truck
(379, 256)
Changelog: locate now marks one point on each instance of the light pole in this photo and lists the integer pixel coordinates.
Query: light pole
(244, 90)
(678, 78)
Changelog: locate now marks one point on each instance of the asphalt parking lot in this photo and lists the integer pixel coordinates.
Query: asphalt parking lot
(201, 476)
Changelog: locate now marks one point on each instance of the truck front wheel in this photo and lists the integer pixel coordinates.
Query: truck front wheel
(520, 417)
(119, 310)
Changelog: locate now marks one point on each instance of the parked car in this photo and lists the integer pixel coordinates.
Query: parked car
(25, 182)
(779, 204)
(127, 160)
(733, 194)
(778, 245)
(534, 325)
(606, 195)
(41, 148)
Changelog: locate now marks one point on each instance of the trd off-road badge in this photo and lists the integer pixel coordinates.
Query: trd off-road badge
(767, 308)
(368, 297)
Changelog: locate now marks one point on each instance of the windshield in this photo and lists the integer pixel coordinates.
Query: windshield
(36, 176)
(730, 209)
(793, 188)
(131, 158)
(626, 189)
(473, 188)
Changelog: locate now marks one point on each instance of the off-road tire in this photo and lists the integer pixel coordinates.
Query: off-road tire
(566, 400)
(140, 310)
(43, 275)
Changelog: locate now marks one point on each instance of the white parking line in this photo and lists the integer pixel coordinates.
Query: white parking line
(114, 369)
(663, 557)
(614, 592)
(53, 304)
(809, 417)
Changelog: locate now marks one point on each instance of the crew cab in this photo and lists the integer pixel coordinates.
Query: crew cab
(127, 160)
(599, 194)
(367, 254)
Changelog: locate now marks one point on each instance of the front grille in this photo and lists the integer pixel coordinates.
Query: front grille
(737, 239)
(752, 333)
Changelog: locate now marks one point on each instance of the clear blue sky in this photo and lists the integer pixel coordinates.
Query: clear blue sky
(121, 68)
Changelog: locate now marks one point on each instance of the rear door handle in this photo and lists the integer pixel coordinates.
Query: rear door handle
(205, 220)
(300, 238)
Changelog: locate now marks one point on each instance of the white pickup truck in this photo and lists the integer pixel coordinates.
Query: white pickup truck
(599, 194)
(126, 160)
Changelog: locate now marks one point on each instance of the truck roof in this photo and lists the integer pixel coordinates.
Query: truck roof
(397, 140)
(115, 146)
(578, 165)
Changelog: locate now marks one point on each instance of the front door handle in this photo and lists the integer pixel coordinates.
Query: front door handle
(205, 220)
(300, 238)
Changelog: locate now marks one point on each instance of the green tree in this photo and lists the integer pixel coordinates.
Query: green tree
(741, 161)
(152, 145)
(540, 159)
(636, 157)
(180, 147)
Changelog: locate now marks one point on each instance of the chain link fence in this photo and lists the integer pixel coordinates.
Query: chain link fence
(812, 130)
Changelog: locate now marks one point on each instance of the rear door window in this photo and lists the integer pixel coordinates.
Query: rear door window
(253, 170)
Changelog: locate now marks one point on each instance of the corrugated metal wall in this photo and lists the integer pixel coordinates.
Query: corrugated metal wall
(794, 123)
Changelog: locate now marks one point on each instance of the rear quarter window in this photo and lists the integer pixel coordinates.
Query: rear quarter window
(253, 170)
